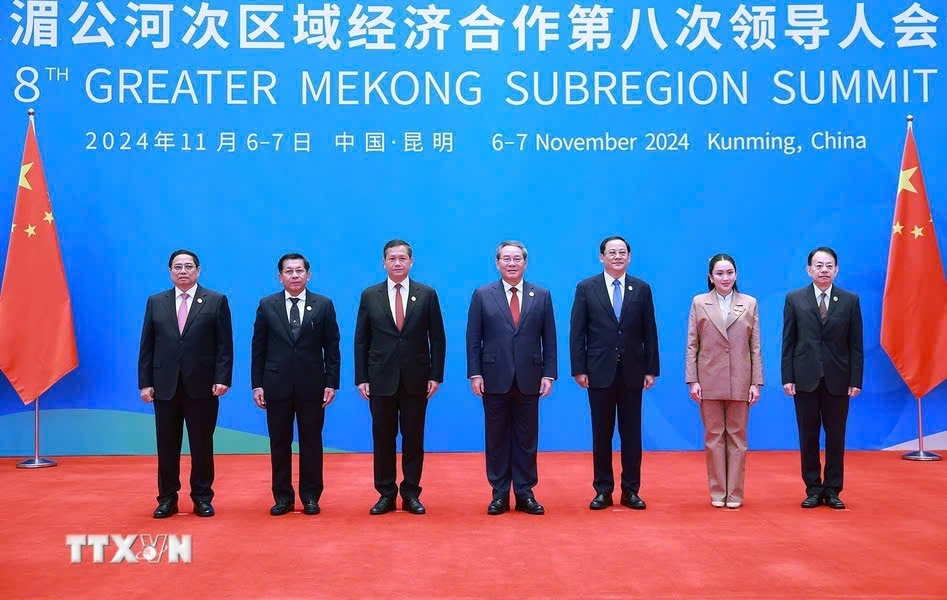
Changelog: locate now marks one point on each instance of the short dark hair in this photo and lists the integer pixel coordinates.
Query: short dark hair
(710, 269)
(513, 243)
(197, 261)
(291, 256)
(825, 249)
(612, 238)
(394, 244)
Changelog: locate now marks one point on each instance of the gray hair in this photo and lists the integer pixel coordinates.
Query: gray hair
(511, 243)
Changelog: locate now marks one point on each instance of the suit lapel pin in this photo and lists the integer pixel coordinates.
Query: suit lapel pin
(630, 288)
(532, 293)
(414, 299)
(834, 298)
(308, 308)
(200, 300)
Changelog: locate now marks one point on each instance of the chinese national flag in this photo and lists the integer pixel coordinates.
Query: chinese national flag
(37, 340)
(914, 310)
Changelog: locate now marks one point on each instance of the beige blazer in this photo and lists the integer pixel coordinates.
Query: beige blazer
(724, 355)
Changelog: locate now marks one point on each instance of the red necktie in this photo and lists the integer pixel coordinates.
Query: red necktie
(515, 307)
(399, 307)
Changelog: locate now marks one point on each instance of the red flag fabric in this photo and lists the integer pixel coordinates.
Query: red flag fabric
(37, 338)
(914, 309)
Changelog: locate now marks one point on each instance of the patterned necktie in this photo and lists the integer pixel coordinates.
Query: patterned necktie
(399, 307)
(182, 312)
(823, 309)
(616, 298)
(294, 322)
(515, 307)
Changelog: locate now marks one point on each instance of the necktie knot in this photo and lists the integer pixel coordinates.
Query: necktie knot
(294, 301)
(185, 296)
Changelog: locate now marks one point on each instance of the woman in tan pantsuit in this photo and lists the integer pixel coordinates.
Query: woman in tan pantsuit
(724, 371)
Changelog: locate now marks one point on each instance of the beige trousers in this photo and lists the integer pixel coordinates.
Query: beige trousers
(725, 444)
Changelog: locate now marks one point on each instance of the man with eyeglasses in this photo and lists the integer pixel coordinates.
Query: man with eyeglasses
(511, 364)
(613, 343)
(294, 373)
(185, 363)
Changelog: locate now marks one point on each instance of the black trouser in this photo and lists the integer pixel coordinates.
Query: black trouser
(814, 411)
(388, 412)
(604, 404)
(200, 415)
(512, 434)
(309, 415)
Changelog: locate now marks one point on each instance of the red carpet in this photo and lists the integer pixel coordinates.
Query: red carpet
(891, 543)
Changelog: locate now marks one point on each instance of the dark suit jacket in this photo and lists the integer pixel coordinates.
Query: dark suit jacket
(385, 356)
(306, 365)
(202, 355)
(597, 338)
(497, 351)
(811, 349)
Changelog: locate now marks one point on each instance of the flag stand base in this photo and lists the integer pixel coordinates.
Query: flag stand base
(921, 455)
(42, 463)
(36, 462)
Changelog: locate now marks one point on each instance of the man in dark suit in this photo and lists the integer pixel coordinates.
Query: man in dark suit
(822, 364)
(399, 364)
(511, 363)
(613, 343)
(294, 373)
(185, 363)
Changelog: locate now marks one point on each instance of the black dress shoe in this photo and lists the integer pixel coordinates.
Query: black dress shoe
(601, 501)
(311, 507)
(385, 504)
(811, 501)
(530, 506)
(498, 507)
(632, 500)
(834, 501)
(166, 509)
(413, 506)
(281, 508)
(204, 509)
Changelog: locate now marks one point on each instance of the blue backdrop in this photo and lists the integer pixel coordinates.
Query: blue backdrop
(308, 172)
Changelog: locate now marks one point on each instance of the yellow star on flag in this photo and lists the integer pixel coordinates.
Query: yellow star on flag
(904, 183)
(49, 217)
(897, 227)
(24, 182)
(918, 232)
(30, 231)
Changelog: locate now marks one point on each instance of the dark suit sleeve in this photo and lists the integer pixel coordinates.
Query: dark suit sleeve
(223, 373)
(578, 329)
(550, 353)
(363, 341)
(855, 348)
(146, 350)
(474, 336)
(258, 345)
(438, 339)
(650, 336)
(330, 347)
(789, 341)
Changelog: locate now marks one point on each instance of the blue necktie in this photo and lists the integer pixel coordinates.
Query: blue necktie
(616, 298)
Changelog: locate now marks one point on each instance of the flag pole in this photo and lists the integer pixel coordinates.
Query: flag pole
(920, 454)
(36, 462)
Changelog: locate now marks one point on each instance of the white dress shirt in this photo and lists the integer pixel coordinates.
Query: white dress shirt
(818, 297)
(391, 297)
(509, 294)
(724, 303)
(178, 299)
(289, 305)
(609, 286)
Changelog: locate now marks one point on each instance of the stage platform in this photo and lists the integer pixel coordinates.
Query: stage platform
(890, 543)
